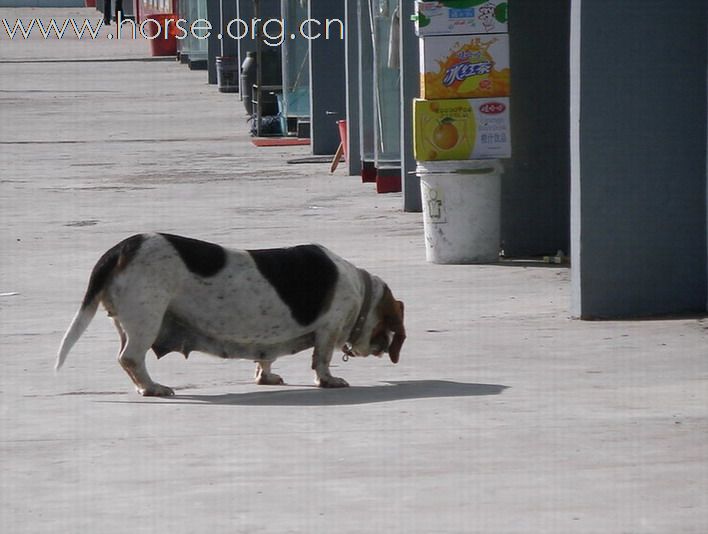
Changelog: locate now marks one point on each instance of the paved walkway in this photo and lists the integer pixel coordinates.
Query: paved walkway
(503, 416)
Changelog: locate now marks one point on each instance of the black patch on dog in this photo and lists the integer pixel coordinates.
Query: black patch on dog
(201, 258)
(115, 258)
(303, 276)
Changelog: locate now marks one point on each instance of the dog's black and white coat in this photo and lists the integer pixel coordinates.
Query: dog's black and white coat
(173, 293)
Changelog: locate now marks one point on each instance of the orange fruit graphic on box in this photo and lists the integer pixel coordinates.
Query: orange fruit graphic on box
(460, 129)
(445, 134)
(464, 66)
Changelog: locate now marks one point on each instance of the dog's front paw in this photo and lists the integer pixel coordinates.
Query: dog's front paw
(270, 379)
(332, 382)
(156, 390)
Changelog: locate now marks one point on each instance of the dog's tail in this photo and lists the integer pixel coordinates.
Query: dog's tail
(112, 261)
(78, 326)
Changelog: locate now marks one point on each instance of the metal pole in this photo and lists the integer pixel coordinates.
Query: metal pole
(259, 65)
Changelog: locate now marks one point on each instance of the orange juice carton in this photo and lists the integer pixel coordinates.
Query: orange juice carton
(461, 129)
(448, 17)
(464, 66)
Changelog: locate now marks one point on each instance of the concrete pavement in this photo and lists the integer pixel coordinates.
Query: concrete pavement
(504, 415)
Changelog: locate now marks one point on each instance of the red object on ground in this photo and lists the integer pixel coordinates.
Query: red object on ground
(279, 141)
(343, 137)
(163, 39)
(388, 181)
(368, 172)
(89, 3)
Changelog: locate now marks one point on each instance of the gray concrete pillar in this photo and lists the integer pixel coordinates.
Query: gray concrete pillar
(244, 11)
(410, 89)
(229, 12)
(639, 233)
(536, 184)
(327, 76)
(366, 92)
(213, 42)
(352, 86)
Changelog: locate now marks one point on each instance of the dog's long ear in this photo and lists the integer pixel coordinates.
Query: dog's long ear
(399, 333)
(392, 314)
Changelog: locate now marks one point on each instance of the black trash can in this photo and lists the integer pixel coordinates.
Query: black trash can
(227, 74)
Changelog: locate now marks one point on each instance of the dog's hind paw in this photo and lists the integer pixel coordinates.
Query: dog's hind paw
(332, 382)
(270, 379)
(156, 390)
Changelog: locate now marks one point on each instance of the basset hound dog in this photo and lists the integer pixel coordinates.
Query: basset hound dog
(176, 294)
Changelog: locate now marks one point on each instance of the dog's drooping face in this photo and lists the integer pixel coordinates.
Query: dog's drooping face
(384, 329)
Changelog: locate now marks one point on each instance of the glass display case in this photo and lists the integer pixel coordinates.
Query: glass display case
(366, 86)
(296, 59)
(193, 47)
(387, 83)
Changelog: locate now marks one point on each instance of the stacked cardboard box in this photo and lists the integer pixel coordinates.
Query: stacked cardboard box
(463, 112)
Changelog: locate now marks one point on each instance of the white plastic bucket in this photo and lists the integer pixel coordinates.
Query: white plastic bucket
(461, 210)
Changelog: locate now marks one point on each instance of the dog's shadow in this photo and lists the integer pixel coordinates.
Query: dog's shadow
(312, 396)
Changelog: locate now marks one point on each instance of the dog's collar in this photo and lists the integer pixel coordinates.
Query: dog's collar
(363, 312)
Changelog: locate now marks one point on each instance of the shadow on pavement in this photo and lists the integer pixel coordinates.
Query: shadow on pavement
(313, 396)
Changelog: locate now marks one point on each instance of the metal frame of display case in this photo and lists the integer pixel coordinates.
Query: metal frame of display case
(258, 87)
